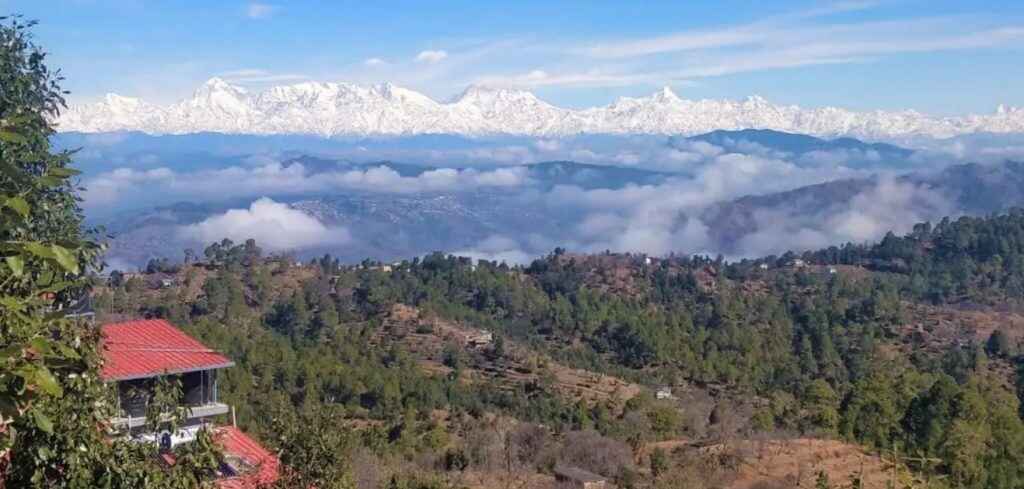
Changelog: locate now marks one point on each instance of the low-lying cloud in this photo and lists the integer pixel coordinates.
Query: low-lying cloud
(111, 189)
(652, 218)
(674, 212)
(500, 249)
(888, 205)
(671, 218)
(274, 226)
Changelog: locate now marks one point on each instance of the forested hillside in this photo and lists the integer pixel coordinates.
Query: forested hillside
(905, 347)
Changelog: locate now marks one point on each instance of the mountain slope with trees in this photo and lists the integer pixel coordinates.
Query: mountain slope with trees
(827, 344)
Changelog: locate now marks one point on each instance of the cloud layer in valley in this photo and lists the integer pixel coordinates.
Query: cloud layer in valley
(112, 189)
(275, 226)
(670, 218)
(888, 205)
(678, 210)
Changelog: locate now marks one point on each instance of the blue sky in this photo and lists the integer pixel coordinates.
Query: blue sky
(939, 57)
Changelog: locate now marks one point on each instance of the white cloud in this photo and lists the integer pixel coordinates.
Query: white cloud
(590, 78)
(107, 189)
(255, 75)
(653, 218)
(262, 178)
(244, 72)
(676, 42)
(660, 219)
(730, 36)
(798, 39)
(431, 56)
(384, 179)
(887, 205)
(671, 215)
(806, 36)
(260, 10)
(547, 145)
(500, 249)
(776, 44)
(274, 226)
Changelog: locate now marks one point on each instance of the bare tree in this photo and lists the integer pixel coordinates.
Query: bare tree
(590, 451)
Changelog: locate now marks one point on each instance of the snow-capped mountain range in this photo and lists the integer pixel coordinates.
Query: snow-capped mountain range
(332, 109)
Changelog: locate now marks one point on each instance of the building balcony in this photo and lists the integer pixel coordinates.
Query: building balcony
(194, 412)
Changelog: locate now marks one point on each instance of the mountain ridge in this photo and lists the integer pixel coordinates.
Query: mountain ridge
(343, 109)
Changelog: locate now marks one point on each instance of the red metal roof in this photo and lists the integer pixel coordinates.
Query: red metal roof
(256, 467)
(151, 347)
(264, 465)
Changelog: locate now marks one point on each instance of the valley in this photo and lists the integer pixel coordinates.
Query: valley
(530, 220)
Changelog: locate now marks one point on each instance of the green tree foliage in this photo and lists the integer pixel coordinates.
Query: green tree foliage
(808, 343)
(822, 405)
(978, 259)
(874, 410)
(999, 345)
(53, 405)
(314, 451)
(46, 362)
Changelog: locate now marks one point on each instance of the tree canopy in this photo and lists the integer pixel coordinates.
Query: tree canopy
(53, 405)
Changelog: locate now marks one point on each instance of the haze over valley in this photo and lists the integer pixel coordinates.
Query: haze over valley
(738, 193)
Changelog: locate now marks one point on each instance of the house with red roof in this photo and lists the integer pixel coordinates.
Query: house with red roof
(137, 353)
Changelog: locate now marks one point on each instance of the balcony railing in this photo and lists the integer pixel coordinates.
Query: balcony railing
(191, 412)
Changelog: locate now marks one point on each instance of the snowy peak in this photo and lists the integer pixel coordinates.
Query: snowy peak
(330, 109)
(666, 96)
(216, 87)
(115, 99)
(300, 93)
(756, 101)
(217, 94)
(118, 103)
(495, 100)
(663, 99)
(1006, 110)
(218, 83)
(391, 92)
(484, 93)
